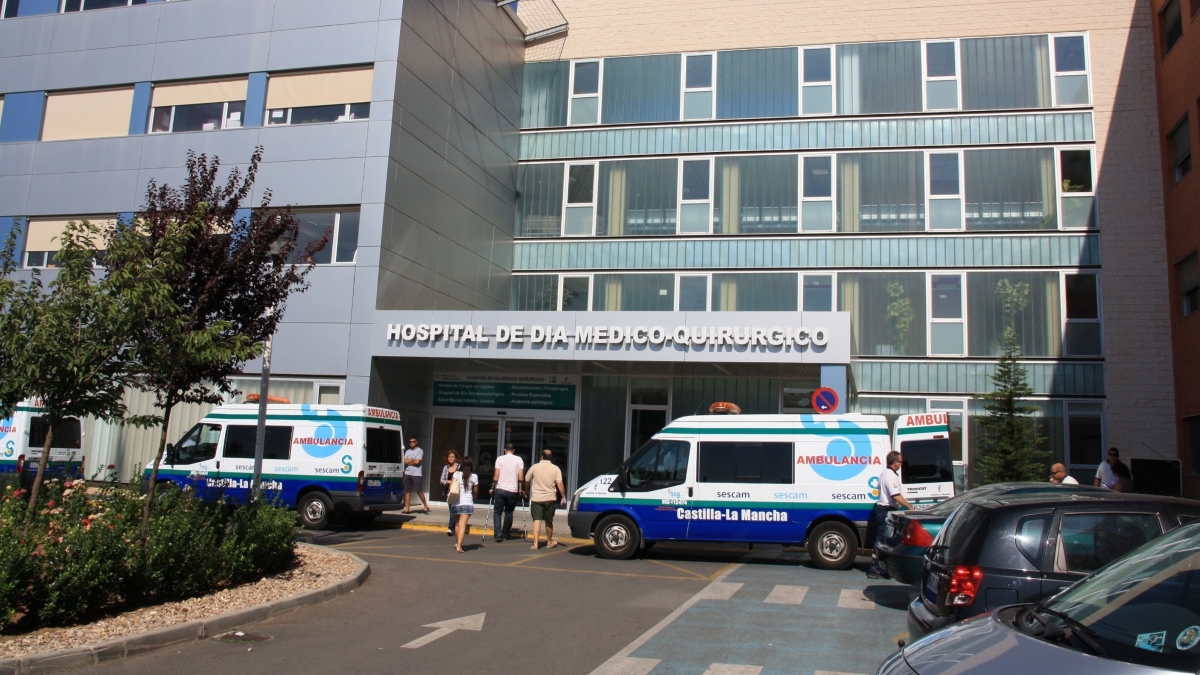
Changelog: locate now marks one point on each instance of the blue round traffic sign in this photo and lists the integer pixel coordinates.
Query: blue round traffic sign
(824, 400)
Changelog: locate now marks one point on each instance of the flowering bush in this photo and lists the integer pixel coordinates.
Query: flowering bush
(82, 553)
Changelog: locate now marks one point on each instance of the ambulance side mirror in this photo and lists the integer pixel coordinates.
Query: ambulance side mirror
(622, 480)
(172, 455)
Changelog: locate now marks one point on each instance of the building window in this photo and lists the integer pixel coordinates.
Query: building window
(1010, 189)
(634, 292)
(1078, 193)
(883, 77)
(1191, 426)
(1187, 271)
(754, 292)
(817, 88)
(1026, 302)
(312, 98)
(1170, 25)
(1180, 141)
(342, 229)
(818, 293)
(534, 292)
(641, 89)
(1005, 73)
(304, 392)
(544, 103)
(540, 199)
(87, 114)
(945, 191)
(698, 87)
(1070, 70)
(693, 293)
(887, 312)
(77, 5)
(636, 197)
(1085, 434)
(816, 208)
(755, 83)
(695, 196)
(941, 75)
(43, 238)
(585, 92)
(198, 106)
(946, 315)
(881, 191)
(1082, 332)
(755, 194)
(575, 294)
(581, 198)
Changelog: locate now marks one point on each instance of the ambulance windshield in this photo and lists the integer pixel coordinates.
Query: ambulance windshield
(926, 461)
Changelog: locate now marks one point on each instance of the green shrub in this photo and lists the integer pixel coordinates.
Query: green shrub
(83, 553)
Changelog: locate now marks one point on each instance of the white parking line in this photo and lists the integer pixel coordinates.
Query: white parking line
(787, 595)
(832, 672)
(854, 599)
(622, 664)
(732, 669)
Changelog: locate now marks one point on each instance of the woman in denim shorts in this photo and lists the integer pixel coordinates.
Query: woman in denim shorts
(468, 486)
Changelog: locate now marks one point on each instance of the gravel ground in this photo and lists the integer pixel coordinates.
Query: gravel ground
(314, 569)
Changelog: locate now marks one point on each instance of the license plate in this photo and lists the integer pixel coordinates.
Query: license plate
(374, 483)
(931, 587)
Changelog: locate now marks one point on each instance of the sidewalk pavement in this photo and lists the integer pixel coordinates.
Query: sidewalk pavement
(439, 515)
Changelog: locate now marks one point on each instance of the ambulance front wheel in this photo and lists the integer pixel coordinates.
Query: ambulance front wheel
(316, 510)
(617, 537)
(832, 546)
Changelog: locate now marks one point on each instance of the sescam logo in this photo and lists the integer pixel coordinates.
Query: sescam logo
(329, 437)
(873, 485)
(7, 427)
(846, 455)
(347, 463)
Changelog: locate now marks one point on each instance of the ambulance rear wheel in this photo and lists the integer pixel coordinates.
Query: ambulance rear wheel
(832, 546)
(617, 537)
(316, 510)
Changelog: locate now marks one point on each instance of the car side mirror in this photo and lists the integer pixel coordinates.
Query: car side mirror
(172, 454)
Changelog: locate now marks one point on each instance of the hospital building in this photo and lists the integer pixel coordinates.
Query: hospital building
(564, 223)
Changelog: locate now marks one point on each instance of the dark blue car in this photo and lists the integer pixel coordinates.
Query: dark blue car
(1006, 550)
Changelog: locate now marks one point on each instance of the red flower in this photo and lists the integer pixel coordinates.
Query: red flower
(51, 504)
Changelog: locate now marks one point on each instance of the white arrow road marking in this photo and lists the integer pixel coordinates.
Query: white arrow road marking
(787, 595)
(444, 628)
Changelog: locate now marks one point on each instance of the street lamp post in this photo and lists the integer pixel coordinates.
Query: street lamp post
(260, 436)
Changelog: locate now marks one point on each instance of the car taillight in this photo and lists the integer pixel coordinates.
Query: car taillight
(362, 481)
(964, 584)
(916, 535)
(20, 463)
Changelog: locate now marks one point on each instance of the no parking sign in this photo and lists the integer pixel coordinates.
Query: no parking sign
(825, 400)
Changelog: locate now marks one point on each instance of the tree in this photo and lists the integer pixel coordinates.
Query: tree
(231, 290)
(1009, 442)
(80, 335)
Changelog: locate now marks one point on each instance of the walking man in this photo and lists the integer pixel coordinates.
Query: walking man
(506, 490)
(545, 480)
(1058, 474)
(890, 498)
(1106, 476)
(413, 457)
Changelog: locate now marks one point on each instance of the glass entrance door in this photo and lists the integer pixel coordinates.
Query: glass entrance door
(449, 433)
(520, 434)
(482, 447)
(556, 436)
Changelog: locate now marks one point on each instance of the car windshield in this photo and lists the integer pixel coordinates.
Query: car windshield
(1143, 608)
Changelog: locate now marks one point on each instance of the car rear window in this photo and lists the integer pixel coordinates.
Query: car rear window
(926, 461)
(959, 540)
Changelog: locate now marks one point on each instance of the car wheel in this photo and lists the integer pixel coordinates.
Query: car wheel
(832, 546)
(316, 510)
(617, 537)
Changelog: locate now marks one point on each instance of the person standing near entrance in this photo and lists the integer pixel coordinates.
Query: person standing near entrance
(1058, 474)
(413, 457)
(468, 486)
(447, 474)
(890, 498)
(506, 490)
(546, 484)
(1107, 475)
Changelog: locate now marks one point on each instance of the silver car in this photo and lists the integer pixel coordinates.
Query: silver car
(1139, 614)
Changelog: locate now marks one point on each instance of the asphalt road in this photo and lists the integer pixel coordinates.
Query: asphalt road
(676, 609)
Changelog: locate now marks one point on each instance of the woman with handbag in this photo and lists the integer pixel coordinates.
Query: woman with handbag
(464, 485)
(447, 474)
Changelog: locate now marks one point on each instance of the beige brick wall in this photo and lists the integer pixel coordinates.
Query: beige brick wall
(1136, 313)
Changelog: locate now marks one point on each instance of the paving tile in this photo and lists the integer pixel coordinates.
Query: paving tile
(732, 669)
(787, 595)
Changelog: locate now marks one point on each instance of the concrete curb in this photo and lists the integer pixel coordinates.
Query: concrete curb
(199, 629)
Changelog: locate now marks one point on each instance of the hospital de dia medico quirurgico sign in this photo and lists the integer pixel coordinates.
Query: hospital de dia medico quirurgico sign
(698, 337)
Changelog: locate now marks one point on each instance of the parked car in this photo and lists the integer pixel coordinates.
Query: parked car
(1140, 615)
(1005, 550)
(908, 533)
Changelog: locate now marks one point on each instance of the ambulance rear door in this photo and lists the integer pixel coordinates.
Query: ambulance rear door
(927, 473)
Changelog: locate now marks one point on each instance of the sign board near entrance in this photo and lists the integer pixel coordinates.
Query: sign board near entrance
(709, 337)
(529, 392)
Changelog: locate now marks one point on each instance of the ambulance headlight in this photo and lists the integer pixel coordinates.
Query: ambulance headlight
(575, 499)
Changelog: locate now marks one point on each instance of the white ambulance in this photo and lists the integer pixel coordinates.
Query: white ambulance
(322, 460)
(23, 436)
(782, 479)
